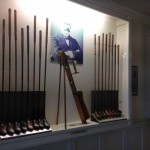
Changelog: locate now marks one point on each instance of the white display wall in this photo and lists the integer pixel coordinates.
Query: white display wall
(92, 22)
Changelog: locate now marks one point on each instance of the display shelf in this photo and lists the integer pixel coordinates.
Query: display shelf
(28, 133)
(77, 126)
(94, 118)
(72, 125)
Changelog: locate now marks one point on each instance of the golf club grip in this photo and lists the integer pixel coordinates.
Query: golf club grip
(9, 23)
(34, 55)
(115, 68)
(106, 62)
(22, 56)
(102, 61)
(9, 35)
(15, 34)
(46, 44)
(118, 49)
(94, 61)
(99, 62)
(34, 29)
(40, 53)
(109, 46)
(3, 51)
(28, 49)
(15, 24)
(112, 60)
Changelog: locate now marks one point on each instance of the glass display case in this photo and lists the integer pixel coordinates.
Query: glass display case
(95, 46)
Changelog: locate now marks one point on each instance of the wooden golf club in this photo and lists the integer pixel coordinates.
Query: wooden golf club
(35, 104)
(2, 126)
(46, 123)
(16, 123)
(23, 124)
(10, 129)
(29, 122)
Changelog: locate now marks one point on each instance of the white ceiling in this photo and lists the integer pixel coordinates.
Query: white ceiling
(142, 6)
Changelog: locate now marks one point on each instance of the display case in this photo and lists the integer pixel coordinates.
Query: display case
(34, 85)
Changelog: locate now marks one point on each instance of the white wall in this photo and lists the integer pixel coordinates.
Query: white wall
(123, 40)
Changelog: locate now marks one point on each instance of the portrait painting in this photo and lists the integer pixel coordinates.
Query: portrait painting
(68, 37)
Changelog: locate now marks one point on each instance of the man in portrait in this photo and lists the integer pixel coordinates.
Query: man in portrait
(64, 41)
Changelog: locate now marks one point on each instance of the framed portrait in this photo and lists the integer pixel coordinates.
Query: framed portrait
(68, 37)
(134, 80)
